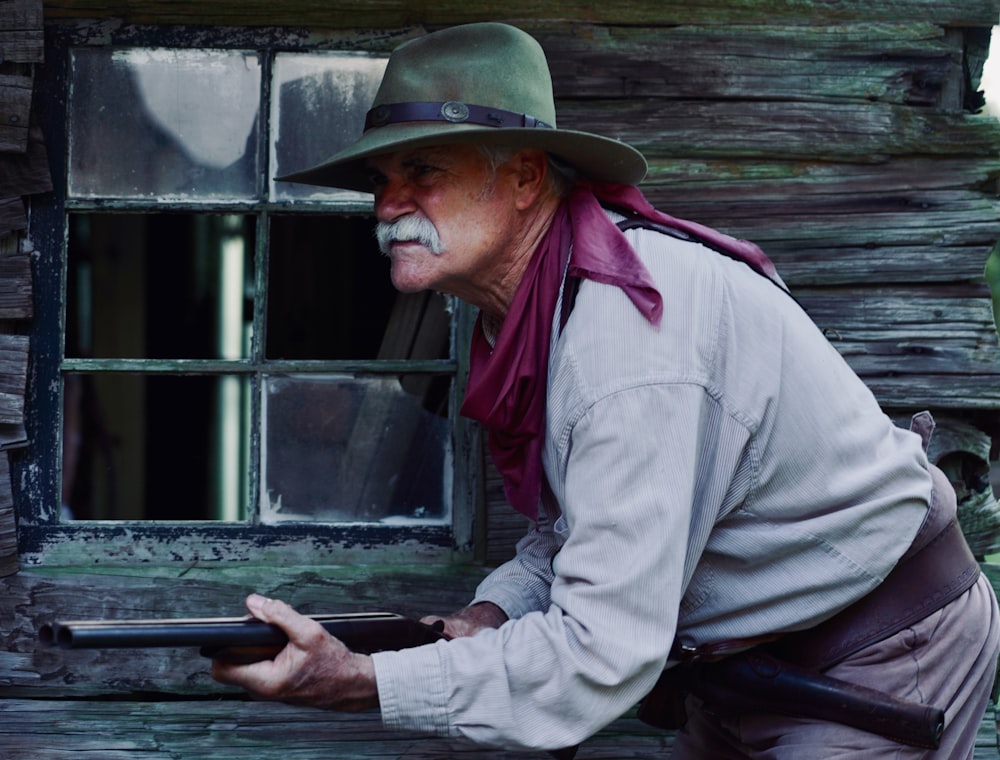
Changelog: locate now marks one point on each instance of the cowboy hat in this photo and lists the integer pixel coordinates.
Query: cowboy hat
(485, 83)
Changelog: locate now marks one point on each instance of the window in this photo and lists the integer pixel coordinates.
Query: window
(222, 367)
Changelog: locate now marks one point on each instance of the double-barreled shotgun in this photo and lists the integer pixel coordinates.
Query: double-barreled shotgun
(247, 639)
(242, 639)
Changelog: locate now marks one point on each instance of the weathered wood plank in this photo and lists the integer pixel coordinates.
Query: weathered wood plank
(905, 220)
(8, 526)
(844, 132)
(21, 14)
(234, 727)
(21, 46)
(205, 543)
(914, 348)
(976, 394)
(813, 264)
(15, 288)
(893, 217)
(706, 179)
(13, 377)
(223, 730)
(889, 62)
(908, 330)
(392, 13)
(26, 173)
(15, 110)
(12, 215)
(753, 196)
(21, 31)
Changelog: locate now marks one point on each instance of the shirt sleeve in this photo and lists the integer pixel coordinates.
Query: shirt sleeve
(523, 584)
(554, 676)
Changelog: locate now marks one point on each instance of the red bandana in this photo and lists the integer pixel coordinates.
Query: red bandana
(507, 382)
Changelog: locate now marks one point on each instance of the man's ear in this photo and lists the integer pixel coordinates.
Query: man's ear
(531, 168)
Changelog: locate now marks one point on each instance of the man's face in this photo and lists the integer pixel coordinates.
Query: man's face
(450, 190)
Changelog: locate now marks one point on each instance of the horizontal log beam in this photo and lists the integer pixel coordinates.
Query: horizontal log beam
(832, 265)
(238, 728)
(909, 63)
(696, 179)
(854, 133)
(392, 13)
(911, 331)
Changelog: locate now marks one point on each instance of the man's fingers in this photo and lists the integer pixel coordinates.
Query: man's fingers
(236, 674)
(267, 677)
(315, 668)
(302, 631)
(295, 625)
(268, 610)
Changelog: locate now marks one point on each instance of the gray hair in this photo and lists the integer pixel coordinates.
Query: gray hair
(560, 176)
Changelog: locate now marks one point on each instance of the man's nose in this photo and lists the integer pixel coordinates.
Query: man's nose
(393, 199)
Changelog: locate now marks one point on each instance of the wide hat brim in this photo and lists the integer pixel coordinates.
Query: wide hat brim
(597, 158)
(490, 66)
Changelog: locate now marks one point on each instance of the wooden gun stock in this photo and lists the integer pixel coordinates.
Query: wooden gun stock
(243, 639)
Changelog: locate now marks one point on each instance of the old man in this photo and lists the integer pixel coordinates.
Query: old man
(714, 494)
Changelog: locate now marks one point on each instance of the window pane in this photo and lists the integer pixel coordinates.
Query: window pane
(164, 123)
(330, 297)
(159, 286)
(356, 450)
(140, 447)
(318, 107)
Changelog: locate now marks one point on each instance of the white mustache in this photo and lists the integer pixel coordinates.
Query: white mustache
(416, 229)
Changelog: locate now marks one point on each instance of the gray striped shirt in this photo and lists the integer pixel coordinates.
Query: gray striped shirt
(722, 476)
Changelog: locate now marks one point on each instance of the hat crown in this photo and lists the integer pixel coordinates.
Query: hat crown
(488, 64)
(486, 83)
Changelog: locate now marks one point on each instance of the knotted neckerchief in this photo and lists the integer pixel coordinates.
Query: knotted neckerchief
(507, 382)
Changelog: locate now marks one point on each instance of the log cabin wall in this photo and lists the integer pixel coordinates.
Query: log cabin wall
(844, 137)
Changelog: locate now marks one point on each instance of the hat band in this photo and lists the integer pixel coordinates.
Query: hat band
(452, 111)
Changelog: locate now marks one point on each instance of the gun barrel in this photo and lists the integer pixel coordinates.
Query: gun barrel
(362, 632)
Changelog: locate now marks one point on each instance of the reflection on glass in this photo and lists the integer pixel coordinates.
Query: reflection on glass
(318, 108)
(342, 449)
(164, 123)
(141, 447)
(159, 286)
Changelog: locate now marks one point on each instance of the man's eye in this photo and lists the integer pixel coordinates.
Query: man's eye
(377, 179)
(418, 171)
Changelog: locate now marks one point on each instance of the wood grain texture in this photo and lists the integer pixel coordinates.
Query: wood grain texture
(21, 38)
(392, 13)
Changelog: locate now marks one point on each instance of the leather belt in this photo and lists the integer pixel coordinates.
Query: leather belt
(936, 569)
(452, 111)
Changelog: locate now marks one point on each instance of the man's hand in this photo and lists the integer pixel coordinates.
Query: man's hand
(469, 620)
(313, 669)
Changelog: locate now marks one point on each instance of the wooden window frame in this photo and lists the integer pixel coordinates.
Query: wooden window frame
(36, 470)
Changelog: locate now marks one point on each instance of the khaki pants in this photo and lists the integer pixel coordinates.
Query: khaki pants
(948, 659)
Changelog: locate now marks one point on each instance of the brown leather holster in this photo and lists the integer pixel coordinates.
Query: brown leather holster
(757, 682)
